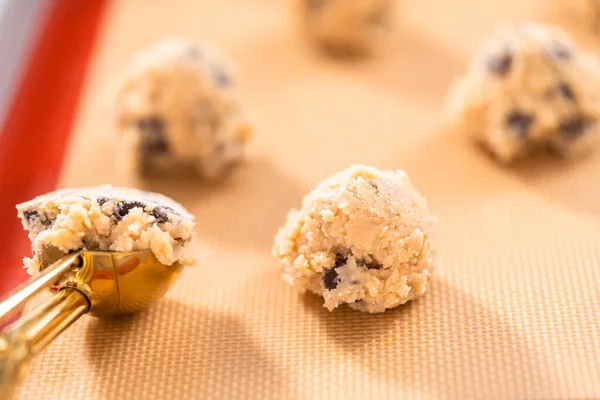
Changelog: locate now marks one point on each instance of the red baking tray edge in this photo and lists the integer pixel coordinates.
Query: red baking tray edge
(39, 120)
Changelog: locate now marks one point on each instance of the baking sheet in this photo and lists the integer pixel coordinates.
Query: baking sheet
(513, 312)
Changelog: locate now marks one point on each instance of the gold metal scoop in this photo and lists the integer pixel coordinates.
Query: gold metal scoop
(95, 282)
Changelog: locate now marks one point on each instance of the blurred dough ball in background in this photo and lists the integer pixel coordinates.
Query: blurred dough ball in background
(529, 87)
(177, 111)
(346, 27)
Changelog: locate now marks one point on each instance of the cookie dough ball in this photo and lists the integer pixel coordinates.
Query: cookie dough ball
(178, 110)
(346, 27)
(362, 237)
(106, 218)
(528, 87)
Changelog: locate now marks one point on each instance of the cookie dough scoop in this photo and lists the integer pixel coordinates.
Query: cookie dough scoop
(97, 282)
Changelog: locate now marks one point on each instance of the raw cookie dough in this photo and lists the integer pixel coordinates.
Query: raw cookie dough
(106, 218)
(348, 27)
(178, 110)
(528, 87)
(362, 237)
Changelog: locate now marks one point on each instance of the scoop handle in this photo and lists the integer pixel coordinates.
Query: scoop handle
(32, 333)
(14, 301)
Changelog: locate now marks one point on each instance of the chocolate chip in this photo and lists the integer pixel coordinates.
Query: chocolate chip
(519, 123)
(151, 124)
(340, 260)
(374, 186)
(160, 215)
(565, 91)
(155, 146)
(153, 135)
(123, 208)
(90, 244)
(573, 127)
(373, 265)
(222, 78)
(500, 64)
(331, 279)
(559, 52)
(31, 215)
(101, 200)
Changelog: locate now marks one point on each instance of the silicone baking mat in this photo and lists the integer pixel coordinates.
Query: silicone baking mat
(513, 312)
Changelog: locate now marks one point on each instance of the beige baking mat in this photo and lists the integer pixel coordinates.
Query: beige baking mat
(514, 312)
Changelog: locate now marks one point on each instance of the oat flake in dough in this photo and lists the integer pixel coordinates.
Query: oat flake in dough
(362, 237)
(107, 218)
